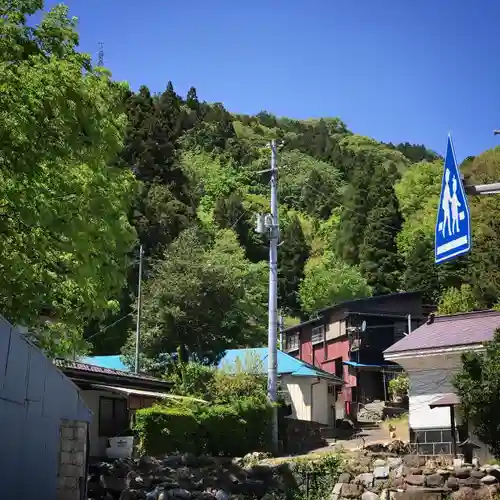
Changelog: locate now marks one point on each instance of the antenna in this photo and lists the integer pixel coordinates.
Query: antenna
(100, 58)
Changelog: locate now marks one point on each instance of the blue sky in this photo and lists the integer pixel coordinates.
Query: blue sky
(396, 70)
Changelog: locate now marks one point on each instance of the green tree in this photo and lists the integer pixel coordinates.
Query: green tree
(292, 257)
(380, 262)
(229, 213)
(455, 300)
(202, 298)
(63, 208)
(329, 281)
(478, 386)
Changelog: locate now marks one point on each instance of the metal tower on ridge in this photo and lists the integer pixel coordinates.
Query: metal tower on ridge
(100, 58)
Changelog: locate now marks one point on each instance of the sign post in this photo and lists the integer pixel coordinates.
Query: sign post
(453, 228)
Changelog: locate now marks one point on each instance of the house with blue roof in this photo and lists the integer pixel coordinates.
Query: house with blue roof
(310, 391)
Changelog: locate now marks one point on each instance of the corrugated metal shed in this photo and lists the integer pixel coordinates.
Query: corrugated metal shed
(34, 397)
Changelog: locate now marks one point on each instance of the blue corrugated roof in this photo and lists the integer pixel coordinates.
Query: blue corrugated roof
(112, 362)
(287, 365)
(362, 365)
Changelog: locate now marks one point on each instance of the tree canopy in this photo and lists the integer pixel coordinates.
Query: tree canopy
(89, 170)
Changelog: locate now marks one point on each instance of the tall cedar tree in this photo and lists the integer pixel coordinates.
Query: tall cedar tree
(379, 260)
(292, 258)
(355, 210)
(229, 213)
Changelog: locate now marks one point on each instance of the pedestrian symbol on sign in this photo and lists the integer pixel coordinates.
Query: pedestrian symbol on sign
(453, 221)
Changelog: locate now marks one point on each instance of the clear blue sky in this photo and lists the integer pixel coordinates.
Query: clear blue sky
(396, 70)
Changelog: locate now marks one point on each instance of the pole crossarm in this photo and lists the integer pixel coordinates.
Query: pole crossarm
(482, 189)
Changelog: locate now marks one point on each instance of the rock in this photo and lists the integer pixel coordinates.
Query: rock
(369, 495)
(180, 493)
(113, 483)
(394, 462)
(221, 495)
(428, 471)
(463, 494)
(434, 480)
(205, 495)
(414, 461)
(479, 474)
(489, 479)
(416, 471)
(365, 479)
(128, 495)
(415, 480)
(351, 490)
(461, 472)
(345, 477)
(452, 483)
(470, 482)
(379, 463)
(445, 473)
(381, 472)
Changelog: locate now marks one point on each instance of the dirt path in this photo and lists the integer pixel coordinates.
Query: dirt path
(366, 436)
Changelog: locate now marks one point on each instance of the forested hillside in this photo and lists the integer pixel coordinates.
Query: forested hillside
(90, 169)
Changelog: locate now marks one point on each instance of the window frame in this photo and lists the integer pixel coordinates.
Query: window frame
(102, 426)
(323, 333)
(295, 335)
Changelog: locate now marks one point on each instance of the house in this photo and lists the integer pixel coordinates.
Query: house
(348, 339)
(431, 355)
(44, 424)
(310, 390)
(112, 395)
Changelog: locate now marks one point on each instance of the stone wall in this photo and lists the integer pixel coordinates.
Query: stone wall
(362, 476)
(72, 460)
(414, 477)
(300, 436)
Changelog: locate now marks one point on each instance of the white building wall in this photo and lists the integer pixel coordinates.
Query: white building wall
(430, 378)
(310, 400)
(98, 444)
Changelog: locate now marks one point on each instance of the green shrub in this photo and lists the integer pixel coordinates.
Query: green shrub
(399, 386)
(166, 429)
(217, 429)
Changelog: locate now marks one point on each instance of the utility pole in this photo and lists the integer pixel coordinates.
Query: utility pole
(138, 320)
(269, 224)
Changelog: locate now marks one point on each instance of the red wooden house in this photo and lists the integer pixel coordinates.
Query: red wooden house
(348, 340)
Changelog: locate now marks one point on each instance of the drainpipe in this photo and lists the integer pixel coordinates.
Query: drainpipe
(312, 392)
(409, 324)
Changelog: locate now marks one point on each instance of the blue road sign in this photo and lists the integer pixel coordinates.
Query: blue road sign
(452, 235)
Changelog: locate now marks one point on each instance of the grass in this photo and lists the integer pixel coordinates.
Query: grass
(397, 427)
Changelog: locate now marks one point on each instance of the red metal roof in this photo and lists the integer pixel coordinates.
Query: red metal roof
(449, 399)
(450, 331)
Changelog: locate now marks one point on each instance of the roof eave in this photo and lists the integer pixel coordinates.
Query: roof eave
(412, 353)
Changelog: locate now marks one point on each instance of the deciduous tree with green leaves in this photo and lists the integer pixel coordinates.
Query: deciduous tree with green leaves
(203, 297)
(328, 281)
(478, 386)
(63, 209)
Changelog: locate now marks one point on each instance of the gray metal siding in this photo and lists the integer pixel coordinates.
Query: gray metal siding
(34, 397)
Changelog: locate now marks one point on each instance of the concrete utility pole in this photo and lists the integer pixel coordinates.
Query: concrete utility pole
(269, 224)
(138, 320)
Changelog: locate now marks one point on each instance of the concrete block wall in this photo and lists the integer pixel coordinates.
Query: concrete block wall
(72, 474)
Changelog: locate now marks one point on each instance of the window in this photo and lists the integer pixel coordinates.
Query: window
(318, 334)
(113, 417)
(339, 368)
(293, 341)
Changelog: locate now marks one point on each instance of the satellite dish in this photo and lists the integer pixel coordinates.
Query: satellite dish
(363, 326)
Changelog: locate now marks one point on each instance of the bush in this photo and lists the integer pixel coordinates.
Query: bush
(399, 386)
(219, 429)
(161, 429)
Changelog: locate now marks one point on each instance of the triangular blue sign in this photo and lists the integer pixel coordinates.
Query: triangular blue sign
(453, 234)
